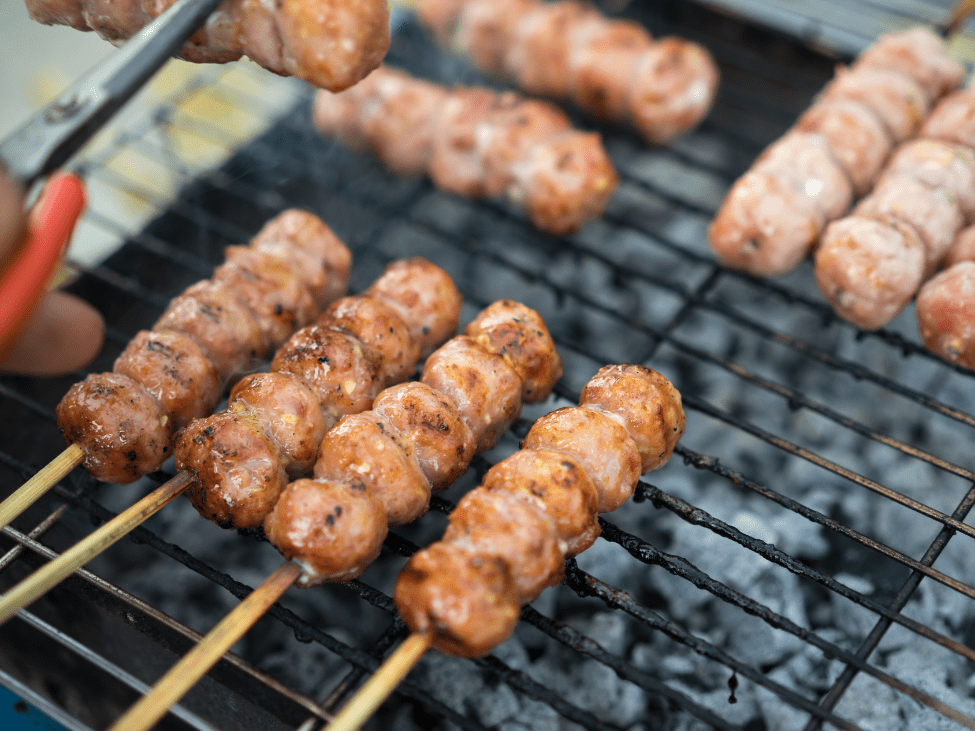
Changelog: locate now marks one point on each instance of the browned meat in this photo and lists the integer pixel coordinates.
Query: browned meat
(335, 365)
(330, 43)
(765, 226)
(806, 160)
(420, 437)
(555, 483)
(381, 330)
(565, 181)
(897, 99)
(531, 509)
(519, 335)
(425, 297)
(946, 314)
(466, 599)
(333, 530)
(567, 50)
(483, 387)
(953, 119)
(603, 66)
(516, 531)
(175, 370)
(511, 129)
(334, 368)
(209, 333)
(361, 451)
(289, 412)
(920, 54)
(539, 55)
(856, 137)
(484, 31)
(962, 248)
(456, 159)
(674, 87)
(599, 443)
(238, 468)
(226, 330)
(481, 143)
(431, 424)
(868, 269)
(939, 165)
(271, 289)
(879, 101)
(932, 212)
(320, 259)
(645, 403)
(123, 428)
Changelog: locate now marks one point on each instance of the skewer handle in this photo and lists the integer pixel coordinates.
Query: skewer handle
(378, 688)
(46, 478)
(53, 572)
(194, 665)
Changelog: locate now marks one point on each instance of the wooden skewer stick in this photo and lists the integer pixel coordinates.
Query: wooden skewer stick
(378, 688)
(194, 665)
(959, 14)
(53, 572)
(36, 486)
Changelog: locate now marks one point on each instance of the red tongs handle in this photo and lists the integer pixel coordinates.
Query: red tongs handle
(25, 278)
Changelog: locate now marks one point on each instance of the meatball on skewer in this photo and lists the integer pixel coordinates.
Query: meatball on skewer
(242, 458)
(568, 50)
(330, 43)
(773, 216)
(124, 420)
(379, 468)
(476, 143)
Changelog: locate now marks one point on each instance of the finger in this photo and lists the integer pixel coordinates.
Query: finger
(11, 216)
(64, 334)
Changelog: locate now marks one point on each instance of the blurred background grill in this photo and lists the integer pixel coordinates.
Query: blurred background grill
(791, 568)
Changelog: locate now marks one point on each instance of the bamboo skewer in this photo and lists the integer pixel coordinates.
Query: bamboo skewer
(194, 665)
(82, 552)
(959, 14)
(378, 688)
(46, 478)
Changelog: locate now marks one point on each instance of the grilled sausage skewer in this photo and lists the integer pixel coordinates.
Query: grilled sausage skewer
(773, 216)
(464, 401)
(242, 458)
(507, 539)
(120, 424)
(567, 50)
(434, 315)
(330, 43)
(476, 143)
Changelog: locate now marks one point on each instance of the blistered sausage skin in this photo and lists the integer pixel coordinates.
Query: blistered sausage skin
(946, 314)
(480, 143)
(567, 50)
(324, 372)
(330, 43)
(498, 551)
(417, 438)
(205, 338)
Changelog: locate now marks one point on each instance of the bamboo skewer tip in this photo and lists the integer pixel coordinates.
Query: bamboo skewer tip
(381, 685)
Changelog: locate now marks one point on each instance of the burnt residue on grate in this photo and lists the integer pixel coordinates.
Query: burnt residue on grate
(804, 559)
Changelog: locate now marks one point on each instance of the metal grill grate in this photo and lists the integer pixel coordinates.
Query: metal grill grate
(758, 566)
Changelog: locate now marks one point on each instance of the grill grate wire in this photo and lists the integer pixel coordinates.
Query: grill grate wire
(274, 170)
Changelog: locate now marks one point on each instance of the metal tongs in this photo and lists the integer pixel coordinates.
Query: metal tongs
(56, 133)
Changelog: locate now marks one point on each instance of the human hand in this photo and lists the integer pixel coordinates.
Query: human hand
(64, 333)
